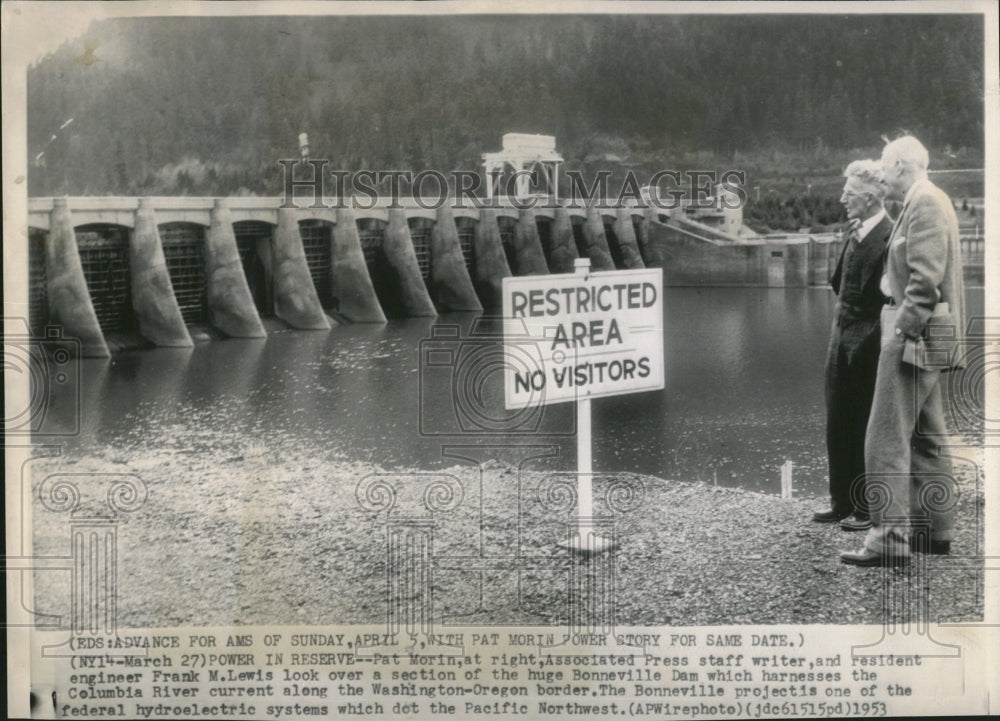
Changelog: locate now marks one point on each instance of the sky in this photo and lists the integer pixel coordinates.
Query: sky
(39, 28)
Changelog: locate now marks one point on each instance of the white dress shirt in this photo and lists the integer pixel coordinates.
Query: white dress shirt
(868, 225)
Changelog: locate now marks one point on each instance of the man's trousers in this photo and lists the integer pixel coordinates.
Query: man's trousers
(910, 484)
(851, 364)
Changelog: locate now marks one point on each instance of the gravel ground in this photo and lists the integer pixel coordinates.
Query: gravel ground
(266, 534)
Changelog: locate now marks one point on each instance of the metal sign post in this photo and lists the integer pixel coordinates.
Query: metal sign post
(586, 540)
(579, 336)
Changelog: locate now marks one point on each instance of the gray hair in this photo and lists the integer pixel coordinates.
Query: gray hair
(908, 151)
(868, 174)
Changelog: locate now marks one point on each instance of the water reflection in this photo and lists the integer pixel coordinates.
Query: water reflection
(142, 387)
(744, 393)
(229, 370)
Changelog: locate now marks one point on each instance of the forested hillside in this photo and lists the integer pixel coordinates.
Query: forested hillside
(207, 106)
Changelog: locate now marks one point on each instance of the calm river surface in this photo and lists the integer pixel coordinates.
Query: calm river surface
(744, 393)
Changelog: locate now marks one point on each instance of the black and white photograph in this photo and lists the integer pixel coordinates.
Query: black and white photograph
(409, 360)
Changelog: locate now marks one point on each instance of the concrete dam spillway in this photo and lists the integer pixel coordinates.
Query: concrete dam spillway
(168, 271)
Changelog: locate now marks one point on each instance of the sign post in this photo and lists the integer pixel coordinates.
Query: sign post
(578, 336)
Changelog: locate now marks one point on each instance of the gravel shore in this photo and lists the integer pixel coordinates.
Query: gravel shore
(267, 535)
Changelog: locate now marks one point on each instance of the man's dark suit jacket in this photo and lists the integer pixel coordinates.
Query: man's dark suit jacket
(858, 316)
(851, 365)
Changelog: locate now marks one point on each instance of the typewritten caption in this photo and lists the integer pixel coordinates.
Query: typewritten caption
(478, 672)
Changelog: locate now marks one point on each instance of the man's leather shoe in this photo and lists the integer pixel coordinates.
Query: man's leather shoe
(829, 516)
(920, 543)
(870, 558)
(856, 524)
(939, 548)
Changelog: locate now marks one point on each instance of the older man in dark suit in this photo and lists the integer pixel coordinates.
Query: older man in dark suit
(852, 358)
(905, 471)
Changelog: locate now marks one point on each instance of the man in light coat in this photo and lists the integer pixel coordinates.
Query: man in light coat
(909, 483)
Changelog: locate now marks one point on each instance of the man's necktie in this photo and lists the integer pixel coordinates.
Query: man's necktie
(853, 238)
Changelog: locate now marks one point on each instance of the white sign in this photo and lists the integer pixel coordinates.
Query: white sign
(582, 335)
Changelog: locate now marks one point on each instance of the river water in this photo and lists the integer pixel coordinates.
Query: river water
(744, 394)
